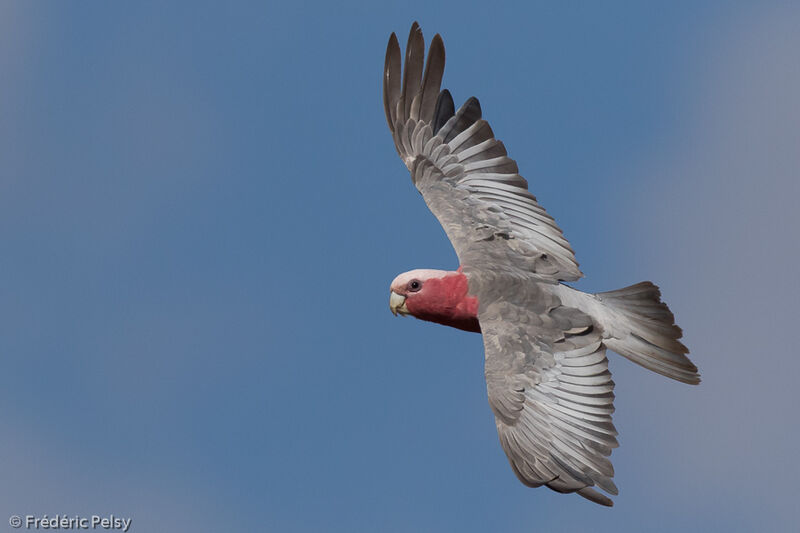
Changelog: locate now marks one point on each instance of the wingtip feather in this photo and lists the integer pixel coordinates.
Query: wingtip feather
(391, 79)
(596, 497)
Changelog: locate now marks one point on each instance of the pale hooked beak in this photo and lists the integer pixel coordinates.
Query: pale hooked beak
(397, 303)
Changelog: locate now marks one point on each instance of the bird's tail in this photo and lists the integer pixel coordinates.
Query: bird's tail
(643, 330)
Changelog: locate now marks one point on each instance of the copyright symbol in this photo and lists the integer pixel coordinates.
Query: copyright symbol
(15, 521)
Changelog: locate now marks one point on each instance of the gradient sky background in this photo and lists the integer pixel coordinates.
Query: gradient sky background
(201, 210)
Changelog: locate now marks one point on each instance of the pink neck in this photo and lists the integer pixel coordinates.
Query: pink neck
(447, 301)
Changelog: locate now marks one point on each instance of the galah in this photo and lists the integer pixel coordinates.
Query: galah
(545, 342)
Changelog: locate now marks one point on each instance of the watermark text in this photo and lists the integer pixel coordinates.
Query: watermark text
(63, 521)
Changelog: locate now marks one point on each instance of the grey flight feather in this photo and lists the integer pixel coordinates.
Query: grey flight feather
(547, 374)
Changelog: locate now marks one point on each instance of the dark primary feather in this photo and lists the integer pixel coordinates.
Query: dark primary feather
(412, 73)
(468, 114)
(434, 70)
(445, 108)
(391, 80)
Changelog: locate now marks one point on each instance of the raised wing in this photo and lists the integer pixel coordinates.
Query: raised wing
(464, 174)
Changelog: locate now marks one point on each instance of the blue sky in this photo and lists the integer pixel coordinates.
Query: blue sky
(201, 211)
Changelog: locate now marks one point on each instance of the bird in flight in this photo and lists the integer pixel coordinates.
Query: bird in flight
(545, 342)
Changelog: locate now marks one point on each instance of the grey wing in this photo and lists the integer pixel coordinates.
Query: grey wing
(464, 173)
(552, 395)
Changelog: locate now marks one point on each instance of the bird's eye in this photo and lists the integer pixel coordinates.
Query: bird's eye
(414, 285)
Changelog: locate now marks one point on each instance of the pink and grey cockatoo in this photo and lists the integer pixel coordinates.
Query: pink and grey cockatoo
(545, 342)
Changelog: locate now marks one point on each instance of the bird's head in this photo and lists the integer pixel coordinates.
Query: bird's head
(414, 290)
(439, 296)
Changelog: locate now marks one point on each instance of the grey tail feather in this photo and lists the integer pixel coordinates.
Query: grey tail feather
(649, 336)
